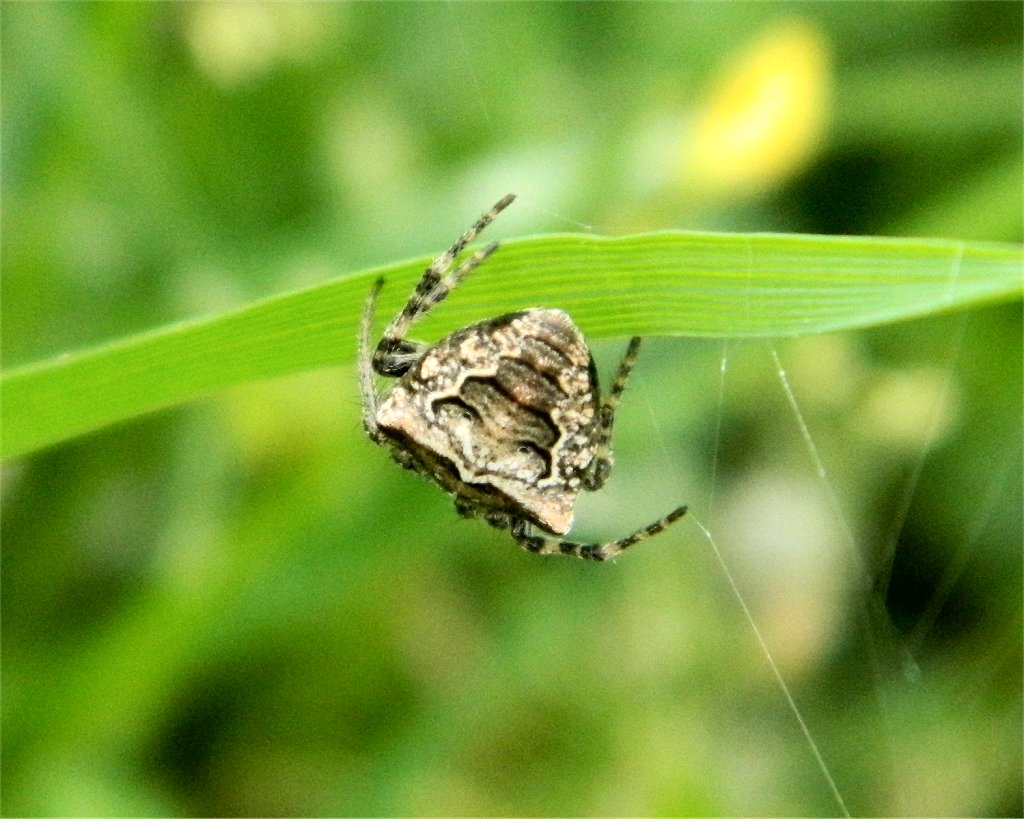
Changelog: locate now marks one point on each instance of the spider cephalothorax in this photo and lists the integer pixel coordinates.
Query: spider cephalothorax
(504, 414)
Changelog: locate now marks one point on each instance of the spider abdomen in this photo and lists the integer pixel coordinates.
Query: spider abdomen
(510, 405)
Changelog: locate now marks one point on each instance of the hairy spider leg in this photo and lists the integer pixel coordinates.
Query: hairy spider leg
(602, 464)
(431, 289)
(366, 385)
(395, 354)
(539, 544)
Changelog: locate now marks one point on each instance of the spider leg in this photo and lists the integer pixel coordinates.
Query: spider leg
(602, 463)
(395, 354)
(539, 544)
(366, 385)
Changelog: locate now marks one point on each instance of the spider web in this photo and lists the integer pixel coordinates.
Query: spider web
(890, 656)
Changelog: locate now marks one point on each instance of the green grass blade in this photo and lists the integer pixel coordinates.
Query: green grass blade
(670, 283)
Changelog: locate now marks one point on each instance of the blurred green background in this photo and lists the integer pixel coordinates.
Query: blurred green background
(241, 607)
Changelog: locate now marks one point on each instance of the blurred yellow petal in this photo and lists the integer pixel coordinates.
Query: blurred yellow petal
(767, 113)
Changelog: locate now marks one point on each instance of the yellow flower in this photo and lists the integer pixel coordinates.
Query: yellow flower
(766, 115)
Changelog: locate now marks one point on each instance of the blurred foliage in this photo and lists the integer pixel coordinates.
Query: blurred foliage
(242, 608)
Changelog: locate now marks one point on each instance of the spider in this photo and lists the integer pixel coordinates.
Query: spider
(505, 414)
